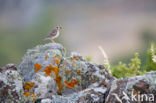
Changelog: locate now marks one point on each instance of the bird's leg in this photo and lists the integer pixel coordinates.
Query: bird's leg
(52, 41)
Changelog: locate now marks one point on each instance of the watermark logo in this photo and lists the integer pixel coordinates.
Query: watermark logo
(138, 97)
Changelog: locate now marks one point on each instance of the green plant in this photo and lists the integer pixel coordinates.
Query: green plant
(123, 70)
(151, 62)
(134, 68)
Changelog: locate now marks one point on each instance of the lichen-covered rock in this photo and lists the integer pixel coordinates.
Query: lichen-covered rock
(93, 88)
(57, 76)
(38, 55)
(139, 89)
(10, 84)
(89, 95)
(85, 73)
(45, 86)
(49, 76)
(46, 101)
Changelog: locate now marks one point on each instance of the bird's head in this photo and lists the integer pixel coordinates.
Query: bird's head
(58, 27)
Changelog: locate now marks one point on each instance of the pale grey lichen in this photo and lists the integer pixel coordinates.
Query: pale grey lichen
(72, 67)
(37, 55)
(93, 83)
(45, 86)
(141, 84)
(11, 84)
(46, 101)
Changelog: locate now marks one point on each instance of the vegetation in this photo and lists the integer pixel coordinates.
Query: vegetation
(134, 68)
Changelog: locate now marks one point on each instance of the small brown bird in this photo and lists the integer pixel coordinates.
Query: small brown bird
(54, 34)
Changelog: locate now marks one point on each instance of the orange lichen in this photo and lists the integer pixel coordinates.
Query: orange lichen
(57, 70)
(61, 66)
(29, 85)
(68, 71)
(71, 84)
(104, 81)
(79, 72)
(56, 60)
(58, 80)
(74, 58)
(54, 57)
(46, 57)
(27, 94)
(33, 95)
(48, 70)
(74, 81)
(32, 84)
(37, 67)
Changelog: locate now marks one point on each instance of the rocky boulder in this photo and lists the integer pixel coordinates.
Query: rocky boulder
(37, 55)
(11, 86)
(47, 75)
(59, 76)
(139, 89)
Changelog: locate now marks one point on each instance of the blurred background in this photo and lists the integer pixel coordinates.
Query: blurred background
(121, 27)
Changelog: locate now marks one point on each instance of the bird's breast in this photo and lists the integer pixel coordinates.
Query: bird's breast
(57, 34)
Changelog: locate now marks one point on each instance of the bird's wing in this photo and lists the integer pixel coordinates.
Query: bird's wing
(53, 33)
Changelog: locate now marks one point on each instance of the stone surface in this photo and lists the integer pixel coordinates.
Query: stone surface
(10, 84)
(46, 101)
(37, 55)
(49, 76)
(44, 86)
(91, 80)
(124, 90)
